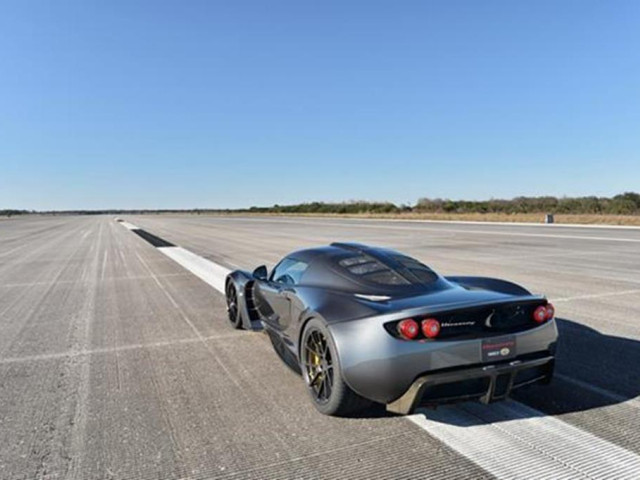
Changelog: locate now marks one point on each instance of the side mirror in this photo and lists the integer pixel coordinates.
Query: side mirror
(260, 273)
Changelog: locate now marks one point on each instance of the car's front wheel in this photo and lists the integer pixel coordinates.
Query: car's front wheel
(321, 371)
(233, 311)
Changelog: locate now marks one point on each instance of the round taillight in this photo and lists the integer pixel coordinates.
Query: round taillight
(430, 327)
(550, 311)
(408, 328)
(540, 314)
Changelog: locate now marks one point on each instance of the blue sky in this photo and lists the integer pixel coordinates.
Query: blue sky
(136, 104)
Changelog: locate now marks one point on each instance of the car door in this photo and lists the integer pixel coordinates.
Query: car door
(279, 289)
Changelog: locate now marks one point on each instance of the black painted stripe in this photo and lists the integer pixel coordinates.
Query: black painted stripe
(152, 239)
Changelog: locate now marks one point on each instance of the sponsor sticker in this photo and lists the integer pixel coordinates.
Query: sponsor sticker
(498, 348)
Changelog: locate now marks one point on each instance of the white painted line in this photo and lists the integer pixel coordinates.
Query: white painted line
(475, 232)
(206, 270)
(128, 225)
(538, 235)
(293, 219)
(91, 282)
(120, 348)
(104, 264)
(511, 440)
(188, 321)
(523, 224)
(596, 295)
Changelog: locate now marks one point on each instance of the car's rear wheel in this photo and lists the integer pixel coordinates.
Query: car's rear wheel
(320, 366)
(233, 310)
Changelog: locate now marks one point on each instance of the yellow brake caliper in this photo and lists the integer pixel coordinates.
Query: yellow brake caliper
(315, 364)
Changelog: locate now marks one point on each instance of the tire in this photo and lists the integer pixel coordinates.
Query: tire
(233, 310)
(320, 367)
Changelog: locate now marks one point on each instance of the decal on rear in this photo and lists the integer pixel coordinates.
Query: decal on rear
(498, 348)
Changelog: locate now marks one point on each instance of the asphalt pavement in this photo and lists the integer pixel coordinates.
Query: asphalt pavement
(117, 362)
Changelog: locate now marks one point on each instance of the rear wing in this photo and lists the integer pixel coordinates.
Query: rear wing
(492, 284)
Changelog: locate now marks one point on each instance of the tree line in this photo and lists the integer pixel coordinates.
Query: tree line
(627, 203)
(624, 204)
(9, 212)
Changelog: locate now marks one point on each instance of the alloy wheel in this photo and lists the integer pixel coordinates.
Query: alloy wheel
(232, 303)
(318, 365)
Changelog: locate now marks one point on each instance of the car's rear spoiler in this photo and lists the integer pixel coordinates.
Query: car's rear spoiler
(487, 283)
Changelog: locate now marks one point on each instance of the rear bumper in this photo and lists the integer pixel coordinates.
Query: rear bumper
(488, 383)
(382, 368)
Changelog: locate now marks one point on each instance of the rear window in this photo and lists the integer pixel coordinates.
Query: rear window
(372, 270)
(423, 273)
(402, 270)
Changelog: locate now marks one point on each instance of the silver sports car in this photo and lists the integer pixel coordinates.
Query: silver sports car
(366, 324)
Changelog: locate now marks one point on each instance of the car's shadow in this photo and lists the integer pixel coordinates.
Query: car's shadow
(593, 370)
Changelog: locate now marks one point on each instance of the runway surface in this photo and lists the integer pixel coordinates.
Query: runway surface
(117, 362)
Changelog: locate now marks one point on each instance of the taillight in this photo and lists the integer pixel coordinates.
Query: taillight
(550, 311)
(408, 328)
(430, 327)
(540, 314)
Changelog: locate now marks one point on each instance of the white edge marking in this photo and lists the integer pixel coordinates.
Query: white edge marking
(129, 226)
(206, 270)
(363, 224)
(596, 295)
(511, 440)
(111, 350)
(452, 222)
(517, 224)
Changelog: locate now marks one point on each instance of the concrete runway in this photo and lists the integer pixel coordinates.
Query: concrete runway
(116, 362)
